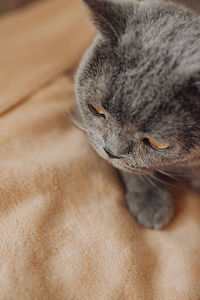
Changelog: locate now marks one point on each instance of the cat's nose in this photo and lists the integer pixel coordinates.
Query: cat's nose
(111, 154)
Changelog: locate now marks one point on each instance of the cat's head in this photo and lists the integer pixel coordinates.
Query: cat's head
(138, 85)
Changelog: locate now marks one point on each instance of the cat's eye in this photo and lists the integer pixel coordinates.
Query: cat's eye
(96, 111)
(156, 145)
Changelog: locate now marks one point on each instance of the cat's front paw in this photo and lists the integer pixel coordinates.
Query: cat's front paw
(152, 209)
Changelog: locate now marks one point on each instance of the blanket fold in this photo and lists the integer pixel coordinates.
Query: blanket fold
(37, 43)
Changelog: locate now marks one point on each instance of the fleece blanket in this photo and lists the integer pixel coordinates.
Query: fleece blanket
(65, 230)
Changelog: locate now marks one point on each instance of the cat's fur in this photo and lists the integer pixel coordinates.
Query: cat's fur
(143, 71)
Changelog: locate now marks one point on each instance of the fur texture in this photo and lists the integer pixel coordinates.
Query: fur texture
(143, 72)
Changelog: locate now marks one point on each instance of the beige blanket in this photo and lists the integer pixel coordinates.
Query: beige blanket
(65, 230)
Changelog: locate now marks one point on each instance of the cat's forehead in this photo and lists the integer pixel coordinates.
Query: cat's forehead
(141, 78)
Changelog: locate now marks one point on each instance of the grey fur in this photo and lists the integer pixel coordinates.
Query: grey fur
(143, 71)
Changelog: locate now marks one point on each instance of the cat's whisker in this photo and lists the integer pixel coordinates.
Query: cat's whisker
(169, 175)
(159, 179)
(76, 138)
(172, 175)
(76, 121)
(142, 179)
(170, 185)
(151, 182)
(79, 125)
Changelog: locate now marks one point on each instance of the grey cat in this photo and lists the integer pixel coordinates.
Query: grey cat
(138, 94)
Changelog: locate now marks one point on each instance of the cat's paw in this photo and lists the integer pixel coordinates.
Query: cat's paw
(152, 209)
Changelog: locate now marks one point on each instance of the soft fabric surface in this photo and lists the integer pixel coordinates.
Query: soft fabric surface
(65, 230)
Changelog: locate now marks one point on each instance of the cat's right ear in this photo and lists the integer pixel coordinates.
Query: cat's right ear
(108, 17)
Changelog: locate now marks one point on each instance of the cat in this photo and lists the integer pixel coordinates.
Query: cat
(138, 94)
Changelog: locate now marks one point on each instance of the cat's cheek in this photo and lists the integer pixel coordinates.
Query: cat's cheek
(97, 145)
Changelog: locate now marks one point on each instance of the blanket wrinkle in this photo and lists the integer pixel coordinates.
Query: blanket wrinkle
(47, 27)
(65, 230)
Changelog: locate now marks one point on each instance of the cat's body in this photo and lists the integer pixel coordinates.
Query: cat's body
(138, 92)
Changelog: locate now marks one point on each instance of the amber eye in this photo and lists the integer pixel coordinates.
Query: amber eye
(156, 145)
(96, 111)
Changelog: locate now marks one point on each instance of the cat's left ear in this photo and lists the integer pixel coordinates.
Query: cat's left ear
(108, 16)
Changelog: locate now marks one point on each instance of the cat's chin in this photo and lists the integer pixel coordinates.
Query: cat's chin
(127, 169)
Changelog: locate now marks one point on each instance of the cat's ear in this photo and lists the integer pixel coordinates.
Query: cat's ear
(108, 17)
